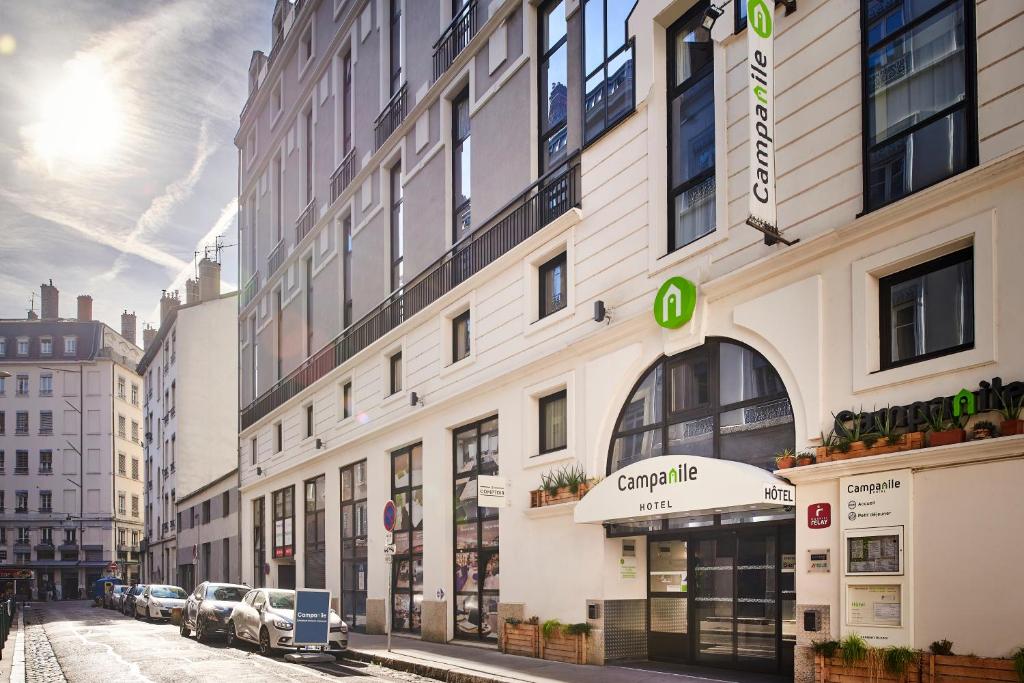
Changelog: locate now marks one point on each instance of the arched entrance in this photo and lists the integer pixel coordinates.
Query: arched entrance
(720, 584)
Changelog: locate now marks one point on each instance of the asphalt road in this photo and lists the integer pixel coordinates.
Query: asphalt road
(92, 644)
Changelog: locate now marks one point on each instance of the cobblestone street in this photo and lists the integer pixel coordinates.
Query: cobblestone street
(76, 642)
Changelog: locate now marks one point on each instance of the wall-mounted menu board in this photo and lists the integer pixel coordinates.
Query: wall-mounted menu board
(874, 553)
(874, 605)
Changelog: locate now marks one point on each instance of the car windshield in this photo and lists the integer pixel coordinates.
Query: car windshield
(226, 593)
(281, 599)
(138, 590)
(167, 592)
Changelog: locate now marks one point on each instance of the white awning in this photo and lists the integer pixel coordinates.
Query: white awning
(671, 485)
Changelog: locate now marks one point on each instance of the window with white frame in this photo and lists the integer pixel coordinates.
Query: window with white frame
(23, 346)
(46, 384)
(70, 346)
(46, 346)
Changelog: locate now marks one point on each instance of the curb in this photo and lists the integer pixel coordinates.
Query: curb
(18, 667)
(435, 671)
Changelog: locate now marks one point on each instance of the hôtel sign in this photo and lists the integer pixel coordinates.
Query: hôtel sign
(682, 484)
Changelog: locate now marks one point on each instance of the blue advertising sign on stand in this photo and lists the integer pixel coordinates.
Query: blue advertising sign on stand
(312, 616)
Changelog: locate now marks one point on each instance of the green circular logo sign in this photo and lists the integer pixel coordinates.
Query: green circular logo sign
(759, 17)
(674, 302)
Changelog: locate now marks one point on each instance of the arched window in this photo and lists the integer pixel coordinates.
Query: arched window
(721, 400)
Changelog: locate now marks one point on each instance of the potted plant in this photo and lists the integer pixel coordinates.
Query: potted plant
(804, 458)
(943, 429)
(1010, 411)
(562, 485)
(785, 459)
(983, 429)
(521, 637)
(564, 642)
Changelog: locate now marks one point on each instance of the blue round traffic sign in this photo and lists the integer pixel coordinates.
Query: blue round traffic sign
(390, 516)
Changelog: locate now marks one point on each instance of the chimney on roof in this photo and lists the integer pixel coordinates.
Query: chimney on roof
(32, 315)
(148, 335)
(128, 325)
(50, 296)
(209, 279)
(191, 291)
(84, 308)
(168, 302)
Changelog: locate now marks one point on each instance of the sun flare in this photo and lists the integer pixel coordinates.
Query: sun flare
(80, 116)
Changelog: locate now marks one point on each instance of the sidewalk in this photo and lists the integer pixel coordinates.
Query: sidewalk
(458, 663)
(12, 664)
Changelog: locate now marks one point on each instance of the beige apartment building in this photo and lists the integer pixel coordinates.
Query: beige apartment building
(70, 451)
(190, 415)
(485, 241)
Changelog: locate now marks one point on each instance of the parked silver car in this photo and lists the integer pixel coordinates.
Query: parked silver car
(128, 601)
(266, 617)
(157, 601)
(209, 607)
(112, 600)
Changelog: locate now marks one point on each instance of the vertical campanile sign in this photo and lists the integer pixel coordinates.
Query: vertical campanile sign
(761, 117)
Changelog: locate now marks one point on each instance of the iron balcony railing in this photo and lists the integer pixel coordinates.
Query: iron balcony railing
(306, 221)
(344, 174)
(250, 289)
(454, 39)
(525, 215)
(391, 118)
(276, 258)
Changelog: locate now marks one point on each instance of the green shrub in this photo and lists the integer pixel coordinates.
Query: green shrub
(941, 647)
(853, 649)
(897, 660)
(550, 628)
(582, 629)
(513, 621)
(825, 648)
(1018, 663)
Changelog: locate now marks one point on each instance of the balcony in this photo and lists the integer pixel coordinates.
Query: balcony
(21, 470)
(391, 118)
(306, 221)
(46, 392)
(276, 258)
(343, 175)
(45, 470)
(46, 510)
(250, 289)
(524, 216)
(454, 39)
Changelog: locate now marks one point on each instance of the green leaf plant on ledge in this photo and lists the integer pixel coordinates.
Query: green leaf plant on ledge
(561, 485)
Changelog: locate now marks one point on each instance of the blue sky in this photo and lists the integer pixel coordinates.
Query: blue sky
(117, 159)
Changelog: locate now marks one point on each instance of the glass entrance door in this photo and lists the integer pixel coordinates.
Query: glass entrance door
(668, 590)
(714, 582)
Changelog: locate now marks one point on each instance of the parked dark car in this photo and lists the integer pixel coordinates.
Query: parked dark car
(128, 602)
(112, 600)
(209, 607)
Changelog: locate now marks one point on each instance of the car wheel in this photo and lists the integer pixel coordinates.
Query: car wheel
(231, 637)
(184, 629)
(200, 630)
(265, 649)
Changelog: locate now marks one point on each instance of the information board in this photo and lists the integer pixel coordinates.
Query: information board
(874, 605)
(312, 616)
(873, 554)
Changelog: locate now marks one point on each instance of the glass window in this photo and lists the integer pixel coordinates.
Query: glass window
(315, 548)
(553, 83)
(553, 422)
(608, 65)
(284, 522)
(461, 168)
(353, 545)
(691, 131)
(346, 400)
(407, 566)
(460, 337)
(927, 310)
(920, 98)
(395, 379)
(553, 279)
(397, 230)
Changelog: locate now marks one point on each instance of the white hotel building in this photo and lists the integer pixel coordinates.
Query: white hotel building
(396, 345)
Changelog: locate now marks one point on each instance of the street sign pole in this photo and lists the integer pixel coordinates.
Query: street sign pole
(390, 517)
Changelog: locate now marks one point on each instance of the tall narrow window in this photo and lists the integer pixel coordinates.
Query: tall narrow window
(309, 420)
(607, 65)
(252, 450)
(346, 400)
(309, 154)
(278, 181)
(395, 373)
(353, 545)
(309, 306)
(397, 229)
(920, 96)
(691, 131)
(553, 282)
(395, 46)
(407, 567)
(259, 548)
(553, 84)
(460, 337)
(553, 422)
(346, 103)
(476, 533)
(460, 166)
(255, 357)
(346, 250)
(928, 310)
(284, 522)
(315, 547)
(278, 437)
(279, 330)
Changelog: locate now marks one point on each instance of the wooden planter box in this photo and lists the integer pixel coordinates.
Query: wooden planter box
(1011, 427)
(540, 497)
(950, 436)
(907, 442)
(562, 647)
(928, 669)
(521, 639)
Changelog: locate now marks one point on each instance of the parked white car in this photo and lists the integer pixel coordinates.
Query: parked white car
(266, 617)
(157, 601)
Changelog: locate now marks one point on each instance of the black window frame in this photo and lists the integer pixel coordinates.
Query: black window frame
(350, 565)
(546, 133)
(255, 451)
(259, 548)
(309, 420)
(674, 91)
(346, 237)
(739, 17)
(278, 437)
(544, 297)
(309, 306)
(395, 383)
(395, 46)
(543, 447)
(287, 497)
(397, 223)
(347, 402)
(461, 318)
(461, 212)
(627, 45)
(346, 106)
(412, 555)
(314, 547)
(885, 285)
(969, 104)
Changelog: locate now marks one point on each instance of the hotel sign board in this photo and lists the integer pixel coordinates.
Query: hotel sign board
(682, 484)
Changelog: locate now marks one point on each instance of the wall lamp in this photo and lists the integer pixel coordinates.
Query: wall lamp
(711, 15)
(415, 399)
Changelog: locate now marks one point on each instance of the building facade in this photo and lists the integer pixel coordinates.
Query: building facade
(207, 534)
(70, 450)
(460, 229)
(190, 377)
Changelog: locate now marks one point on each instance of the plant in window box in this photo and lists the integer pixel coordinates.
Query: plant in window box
(943, 429)
(804, 458)
(1010, 411)
(564, 642)
(983, 429)
(785, 459)
(563, 485)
